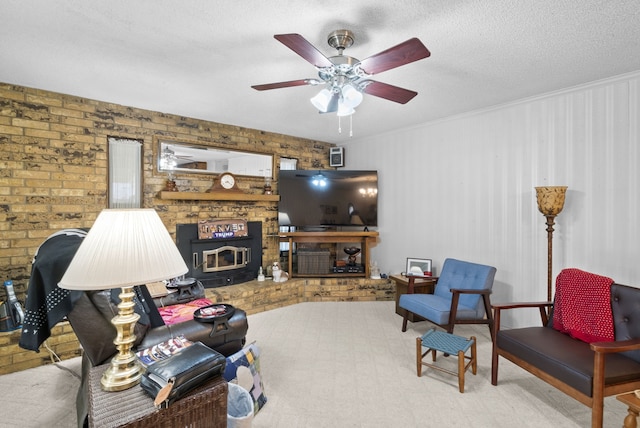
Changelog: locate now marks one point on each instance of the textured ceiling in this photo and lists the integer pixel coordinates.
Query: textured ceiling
(199, 58)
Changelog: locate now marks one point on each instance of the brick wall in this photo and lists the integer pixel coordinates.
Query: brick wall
(62, 344)
(53, 171)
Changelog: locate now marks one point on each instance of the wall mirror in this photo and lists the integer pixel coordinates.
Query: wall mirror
(175, 157)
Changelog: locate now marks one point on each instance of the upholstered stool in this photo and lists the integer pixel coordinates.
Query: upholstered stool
(449, 344)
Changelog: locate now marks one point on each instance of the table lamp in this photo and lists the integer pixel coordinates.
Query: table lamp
(124, 248)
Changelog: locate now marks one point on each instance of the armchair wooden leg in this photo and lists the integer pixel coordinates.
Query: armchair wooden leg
(490, 320)
(419, 356)
(494, 349)
(597, 408)
(404, 320)
(494, 365)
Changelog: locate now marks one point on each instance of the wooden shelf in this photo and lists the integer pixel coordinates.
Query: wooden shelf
(364, 238)
(329, 236)
(216, 196)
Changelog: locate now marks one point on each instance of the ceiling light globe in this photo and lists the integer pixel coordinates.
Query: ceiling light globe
(351, 97)
(321, 100)
(344, 110)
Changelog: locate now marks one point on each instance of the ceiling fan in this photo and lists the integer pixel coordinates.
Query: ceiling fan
(347, 78)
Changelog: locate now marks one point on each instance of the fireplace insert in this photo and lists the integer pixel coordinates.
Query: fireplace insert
(218, 262)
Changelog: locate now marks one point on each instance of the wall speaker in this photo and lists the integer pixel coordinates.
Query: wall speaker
(336, 156)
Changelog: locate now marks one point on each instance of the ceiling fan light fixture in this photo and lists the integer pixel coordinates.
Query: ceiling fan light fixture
(334, 102)
(346, 76)
(321, 100)
(342, 100)
(351, 97)
(344, 110)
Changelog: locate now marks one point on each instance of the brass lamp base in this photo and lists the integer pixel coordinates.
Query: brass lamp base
(125, 371)
(120, 377)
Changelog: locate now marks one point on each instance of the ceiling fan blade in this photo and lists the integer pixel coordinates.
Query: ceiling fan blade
(290, 83)
(306, 50)
(404, 53)
(388, 92)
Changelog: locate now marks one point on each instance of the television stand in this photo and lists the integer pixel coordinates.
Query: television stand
(365, 239)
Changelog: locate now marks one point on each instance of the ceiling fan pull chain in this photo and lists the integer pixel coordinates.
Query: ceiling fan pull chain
(351, 125)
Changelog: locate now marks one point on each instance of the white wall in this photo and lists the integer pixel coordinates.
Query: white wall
(464, 188)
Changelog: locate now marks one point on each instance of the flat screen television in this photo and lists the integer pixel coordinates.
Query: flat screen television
(312, 200)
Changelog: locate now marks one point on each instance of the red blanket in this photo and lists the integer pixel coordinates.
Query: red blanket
(582, 306)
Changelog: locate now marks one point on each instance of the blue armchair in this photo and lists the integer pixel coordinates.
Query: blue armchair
(461, 296)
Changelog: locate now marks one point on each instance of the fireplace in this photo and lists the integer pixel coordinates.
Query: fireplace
(218, 262)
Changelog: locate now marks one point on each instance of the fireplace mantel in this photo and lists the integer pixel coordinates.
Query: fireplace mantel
(216, 196)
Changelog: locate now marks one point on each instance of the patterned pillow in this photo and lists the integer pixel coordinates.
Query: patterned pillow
(243, 368)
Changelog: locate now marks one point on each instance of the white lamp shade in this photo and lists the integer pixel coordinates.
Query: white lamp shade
(125, 247)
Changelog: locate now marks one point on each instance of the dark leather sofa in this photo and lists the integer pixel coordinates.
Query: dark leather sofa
(586, 372)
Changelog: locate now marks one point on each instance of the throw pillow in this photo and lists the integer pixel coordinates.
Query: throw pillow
(243, 368)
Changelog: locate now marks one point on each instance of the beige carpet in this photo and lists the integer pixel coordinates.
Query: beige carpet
(349, 365)
(41, 397)
(343, 365)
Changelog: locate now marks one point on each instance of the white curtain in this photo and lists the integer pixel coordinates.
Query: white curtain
(125, 173)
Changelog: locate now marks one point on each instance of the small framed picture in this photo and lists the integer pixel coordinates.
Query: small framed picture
(418, 267)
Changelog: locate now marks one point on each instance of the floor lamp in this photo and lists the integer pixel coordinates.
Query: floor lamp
(550, 204)
(124, 248)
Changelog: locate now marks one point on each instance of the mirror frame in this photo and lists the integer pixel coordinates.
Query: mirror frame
(214, 151)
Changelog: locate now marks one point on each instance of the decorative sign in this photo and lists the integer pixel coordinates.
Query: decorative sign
(208, 229)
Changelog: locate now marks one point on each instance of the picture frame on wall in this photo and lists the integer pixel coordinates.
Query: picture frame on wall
(418, 267)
